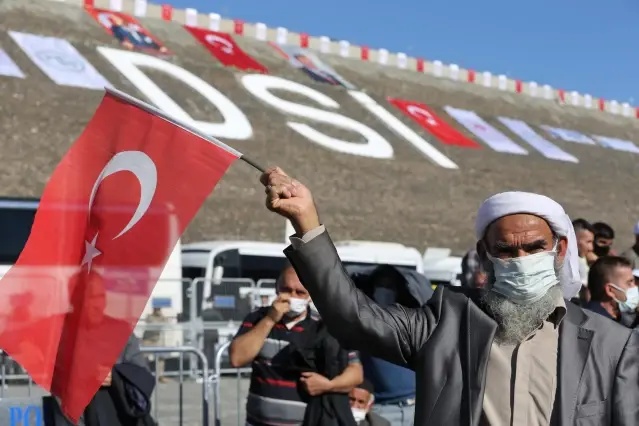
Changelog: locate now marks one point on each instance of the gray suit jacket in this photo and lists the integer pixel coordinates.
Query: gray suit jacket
(448, 341)
(374, 419)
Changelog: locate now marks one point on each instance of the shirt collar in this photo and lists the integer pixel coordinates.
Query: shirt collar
(559, 313)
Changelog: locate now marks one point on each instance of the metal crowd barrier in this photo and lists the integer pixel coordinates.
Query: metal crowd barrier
(27, 409)
(216, 379)
(205, 385)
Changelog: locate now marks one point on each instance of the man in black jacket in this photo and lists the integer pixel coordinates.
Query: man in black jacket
(293, 361)
(394, 385)
(514, 353)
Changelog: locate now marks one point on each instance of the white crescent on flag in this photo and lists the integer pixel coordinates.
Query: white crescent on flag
(227, 46)
(143, 167)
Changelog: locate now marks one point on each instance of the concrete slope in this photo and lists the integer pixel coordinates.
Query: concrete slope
(405, 199)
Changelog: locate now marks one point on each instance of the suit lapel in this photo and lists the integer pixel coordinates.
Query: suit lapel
(574, 349)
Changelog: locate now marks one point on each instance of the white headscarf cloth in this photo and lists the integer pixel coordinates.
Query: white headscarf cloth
(507, 203)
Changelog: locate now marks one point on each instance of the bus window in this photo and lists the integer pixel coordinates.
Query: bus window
(261, 267)
(15, 226)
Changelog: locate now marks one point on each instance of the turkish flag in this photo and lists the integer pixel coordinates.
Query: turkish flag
(427, 118)
(108, 220)
(224, 48)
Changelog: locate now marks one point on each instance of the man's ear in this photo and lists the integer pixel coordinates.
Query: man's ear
(562, 247)
(371, 402)
(610, 291)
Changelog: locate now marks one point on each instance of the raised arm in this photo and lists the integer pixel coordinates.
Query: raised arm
(395, 333)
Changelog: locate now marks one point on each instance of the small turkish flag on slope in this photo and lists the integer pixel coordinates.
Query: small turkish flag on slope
(226, 50)
(108, 220)
(429, 121)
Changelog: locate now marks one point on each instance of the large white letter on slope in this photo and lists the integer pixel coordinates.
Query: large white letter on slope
(403, 130)
(374, 145)
(235, 124)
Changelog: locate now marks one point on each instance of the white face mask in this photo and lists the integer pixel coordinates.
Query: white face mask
(525, 279)
(359, 414)
(632, 299)
(297, 306)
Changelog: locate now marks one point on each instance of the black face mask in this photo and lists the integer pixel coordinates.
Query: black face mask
(601, 251)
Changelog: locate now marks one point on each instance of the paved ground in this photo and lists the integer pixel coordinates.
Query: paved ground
(166, 401)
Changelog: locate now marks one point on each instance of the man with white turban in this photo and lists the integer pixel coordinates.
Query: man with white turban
(513, 353)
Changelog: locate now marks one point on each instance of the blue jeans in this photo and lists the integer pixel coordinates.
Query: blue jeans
(396, 414)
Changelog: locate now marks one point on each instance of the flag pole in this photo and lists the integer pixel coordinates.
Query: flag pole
(155, 111)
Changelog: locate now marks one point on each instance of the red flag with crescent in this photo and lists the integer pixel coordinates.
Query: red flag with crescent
(108, 220)
(226, 50)
(427, 119)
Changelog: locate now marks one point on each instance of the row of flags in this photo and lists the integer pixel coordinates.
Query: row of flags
(63, 64)
(132, 35)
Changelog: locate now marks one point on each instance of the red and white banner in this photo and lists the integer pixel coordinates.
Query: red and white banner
(427, 118)
(224, 48)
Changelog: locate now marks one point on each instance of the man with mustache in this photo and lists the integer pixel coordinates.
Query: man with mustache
(514, 353)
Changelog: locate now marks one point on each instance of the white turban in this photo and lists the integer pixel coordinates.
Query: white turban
(507, 203)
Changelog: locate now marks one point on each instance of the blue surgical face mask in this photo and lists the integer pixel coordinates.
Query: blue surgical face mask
(384, 296)
(525, 279)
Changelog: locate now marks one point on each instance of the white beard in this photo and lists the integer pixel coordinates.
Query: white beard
(517, 321)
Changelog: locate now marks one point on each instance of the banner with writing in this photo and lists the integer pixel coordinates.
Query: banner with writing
(484, 131)
(546, 148)
(60, 61)
(568, 135)
(617, 144)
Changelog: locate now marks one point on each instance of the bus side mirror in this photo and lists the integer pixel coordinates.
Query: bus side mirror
(218, 273)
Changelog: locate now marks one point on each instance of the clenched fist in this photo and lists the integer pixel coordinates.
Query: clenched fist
(280, 307)
(290, 199)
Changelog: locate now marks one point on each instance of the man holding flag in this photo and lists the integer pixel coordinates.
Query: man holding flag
(515, 352)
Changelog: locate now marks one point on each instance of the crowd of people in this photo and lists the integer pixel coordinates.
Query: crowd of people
(302, 375)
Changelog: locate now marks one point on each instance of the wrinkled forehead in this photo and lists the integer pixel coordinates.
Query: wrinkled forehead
(520, 227)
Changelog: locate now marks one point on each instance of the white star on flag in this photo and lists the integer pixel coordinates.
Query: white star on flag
(91, 252)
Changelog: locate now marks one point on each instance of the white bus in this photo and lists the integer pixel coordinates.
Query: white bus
(441, 267)
(214, 262)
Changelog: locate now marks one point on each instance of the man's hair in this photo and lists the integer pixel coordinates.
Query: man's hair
(582, 225)
(287, 265)
(367, 385)
(603, 271)
(603, 230)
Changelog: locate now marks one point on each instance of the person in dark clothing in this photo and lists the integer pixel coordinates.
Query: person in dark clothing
(604, 238)
(295, 363)
(124, 399)
(394, 385)
(362, 400)
(613, 292)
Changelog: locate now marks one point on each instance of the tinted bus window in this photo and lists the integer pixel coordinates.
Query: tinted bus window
(15, 226)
